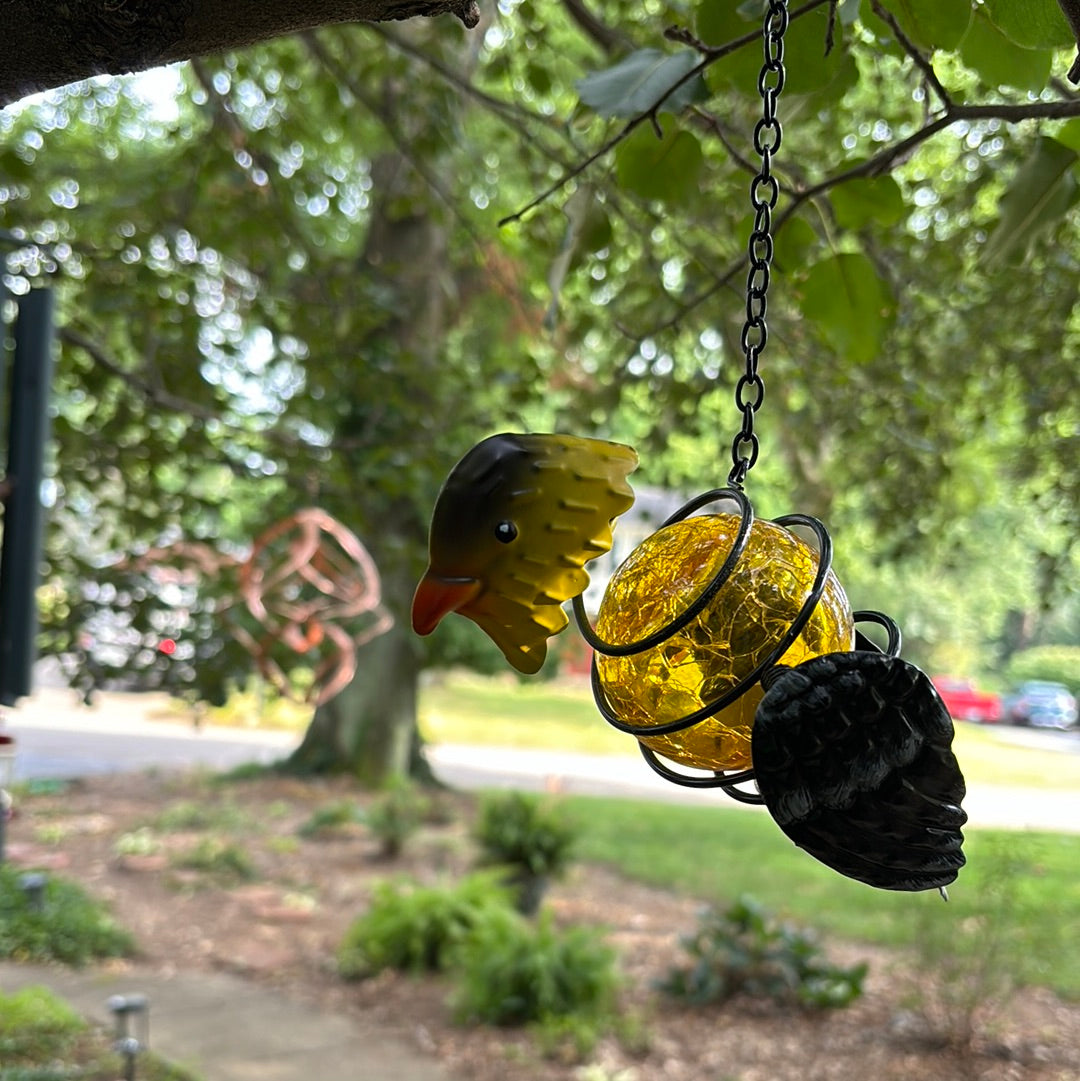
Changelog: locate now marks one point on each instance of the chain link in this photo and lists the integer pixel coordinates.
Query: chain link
(764, 192)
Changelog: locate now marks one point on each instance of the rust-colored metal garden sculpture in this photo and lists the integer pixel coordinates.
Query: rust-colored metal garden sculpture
(307, 595)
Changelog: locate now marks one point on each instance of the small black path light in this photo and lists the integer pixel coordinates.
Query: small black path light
(33, 884)
(130, 1011)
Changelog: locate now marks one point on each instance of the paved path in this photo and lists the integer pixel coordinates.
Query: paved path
(227, 1029)
(56, 737)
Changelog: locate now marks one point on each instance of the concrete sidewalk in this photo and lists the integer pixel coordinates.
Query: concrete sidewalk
(227, 1029)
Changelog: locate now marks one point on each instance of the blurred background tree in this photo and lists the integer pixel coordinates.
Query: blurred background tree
(283, 282)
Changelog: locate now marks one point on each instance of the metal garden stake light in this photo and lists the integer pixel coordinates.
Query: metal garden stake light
(724, 643)
(125, 1010)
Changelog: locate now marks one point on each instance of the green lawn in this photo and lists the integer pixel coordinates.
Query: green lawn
(506, 712)
(986, 755)
(1019, 893)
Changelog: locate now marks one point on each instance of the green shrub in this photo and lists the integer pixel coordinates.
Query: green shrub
(221, 859)
(330, 818)
(524, 832)
(416, 928)
(396, 815)
(514, 972)
(745, 951)
(36, 1026)
(248, 771)
(70, 927)
(1058, 664)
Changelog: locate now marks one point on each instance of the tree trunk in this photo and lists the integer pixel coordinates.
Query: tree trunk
(46, 43)
(369, 730)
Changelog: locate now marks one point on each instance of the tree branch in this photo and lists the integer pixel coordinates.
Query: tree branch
(47, 43)
(507, 110)
(597, 31)
(872, 167)
(921, 62)
(156, 394)
(710, 54)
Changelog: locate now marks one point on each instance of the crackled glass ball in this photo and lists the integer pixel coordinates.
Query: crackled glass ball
(724, 643)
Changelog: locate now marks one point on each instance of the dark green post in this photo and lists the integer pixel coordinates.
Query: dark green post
(20, 560)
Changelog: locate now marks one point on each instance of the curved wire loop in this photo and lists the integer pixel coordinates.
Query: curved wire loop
(795, 628)
(892, 646)
(719, 779)
(727, 781)
(698, 605)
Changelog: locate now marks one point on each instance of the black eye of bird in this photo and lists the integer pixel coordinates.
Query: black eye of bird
(505, 532)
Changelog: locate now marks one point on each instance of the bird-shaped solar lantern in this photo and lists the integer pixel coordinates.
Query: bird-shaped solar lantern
(513, 527)
(723, 644)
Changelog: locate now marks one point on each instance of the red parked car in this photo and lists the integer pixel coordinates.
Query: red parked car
(965, 703)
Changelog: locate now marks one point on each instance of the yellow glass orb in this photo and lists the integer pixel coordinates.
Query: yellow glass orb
(724, 643)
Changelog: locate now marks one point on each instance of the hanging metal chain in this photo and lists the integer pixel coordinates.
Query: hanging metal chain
(764, 191)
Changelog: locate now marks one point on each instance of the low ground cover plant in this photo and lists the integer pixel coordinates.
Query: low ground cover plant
(65, 925)
(395, 816)
(330, 819)
(417, 928)
(506, 970)
(223, 861)
(745, 950)
(514, 972)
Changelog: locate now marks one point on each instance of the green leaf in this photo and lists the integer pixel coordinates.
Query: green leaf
(849, 12)
(717, 24)
(1043, 189)
(1069, 134)
(639, 81)
(14, 168)
(810, 71)
(1035, 24)
(794, 243)
(666, 169)
(999, 61)
(808, 68)
(868, 202)
(932, 24)
(850, 305)
(539, 78)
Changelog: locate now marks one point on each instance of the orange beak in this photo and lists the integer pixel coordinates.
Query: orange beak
(437, 597)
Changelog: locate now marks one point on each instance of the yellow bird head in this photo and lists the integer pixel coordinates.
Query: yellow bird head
(515, 523)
